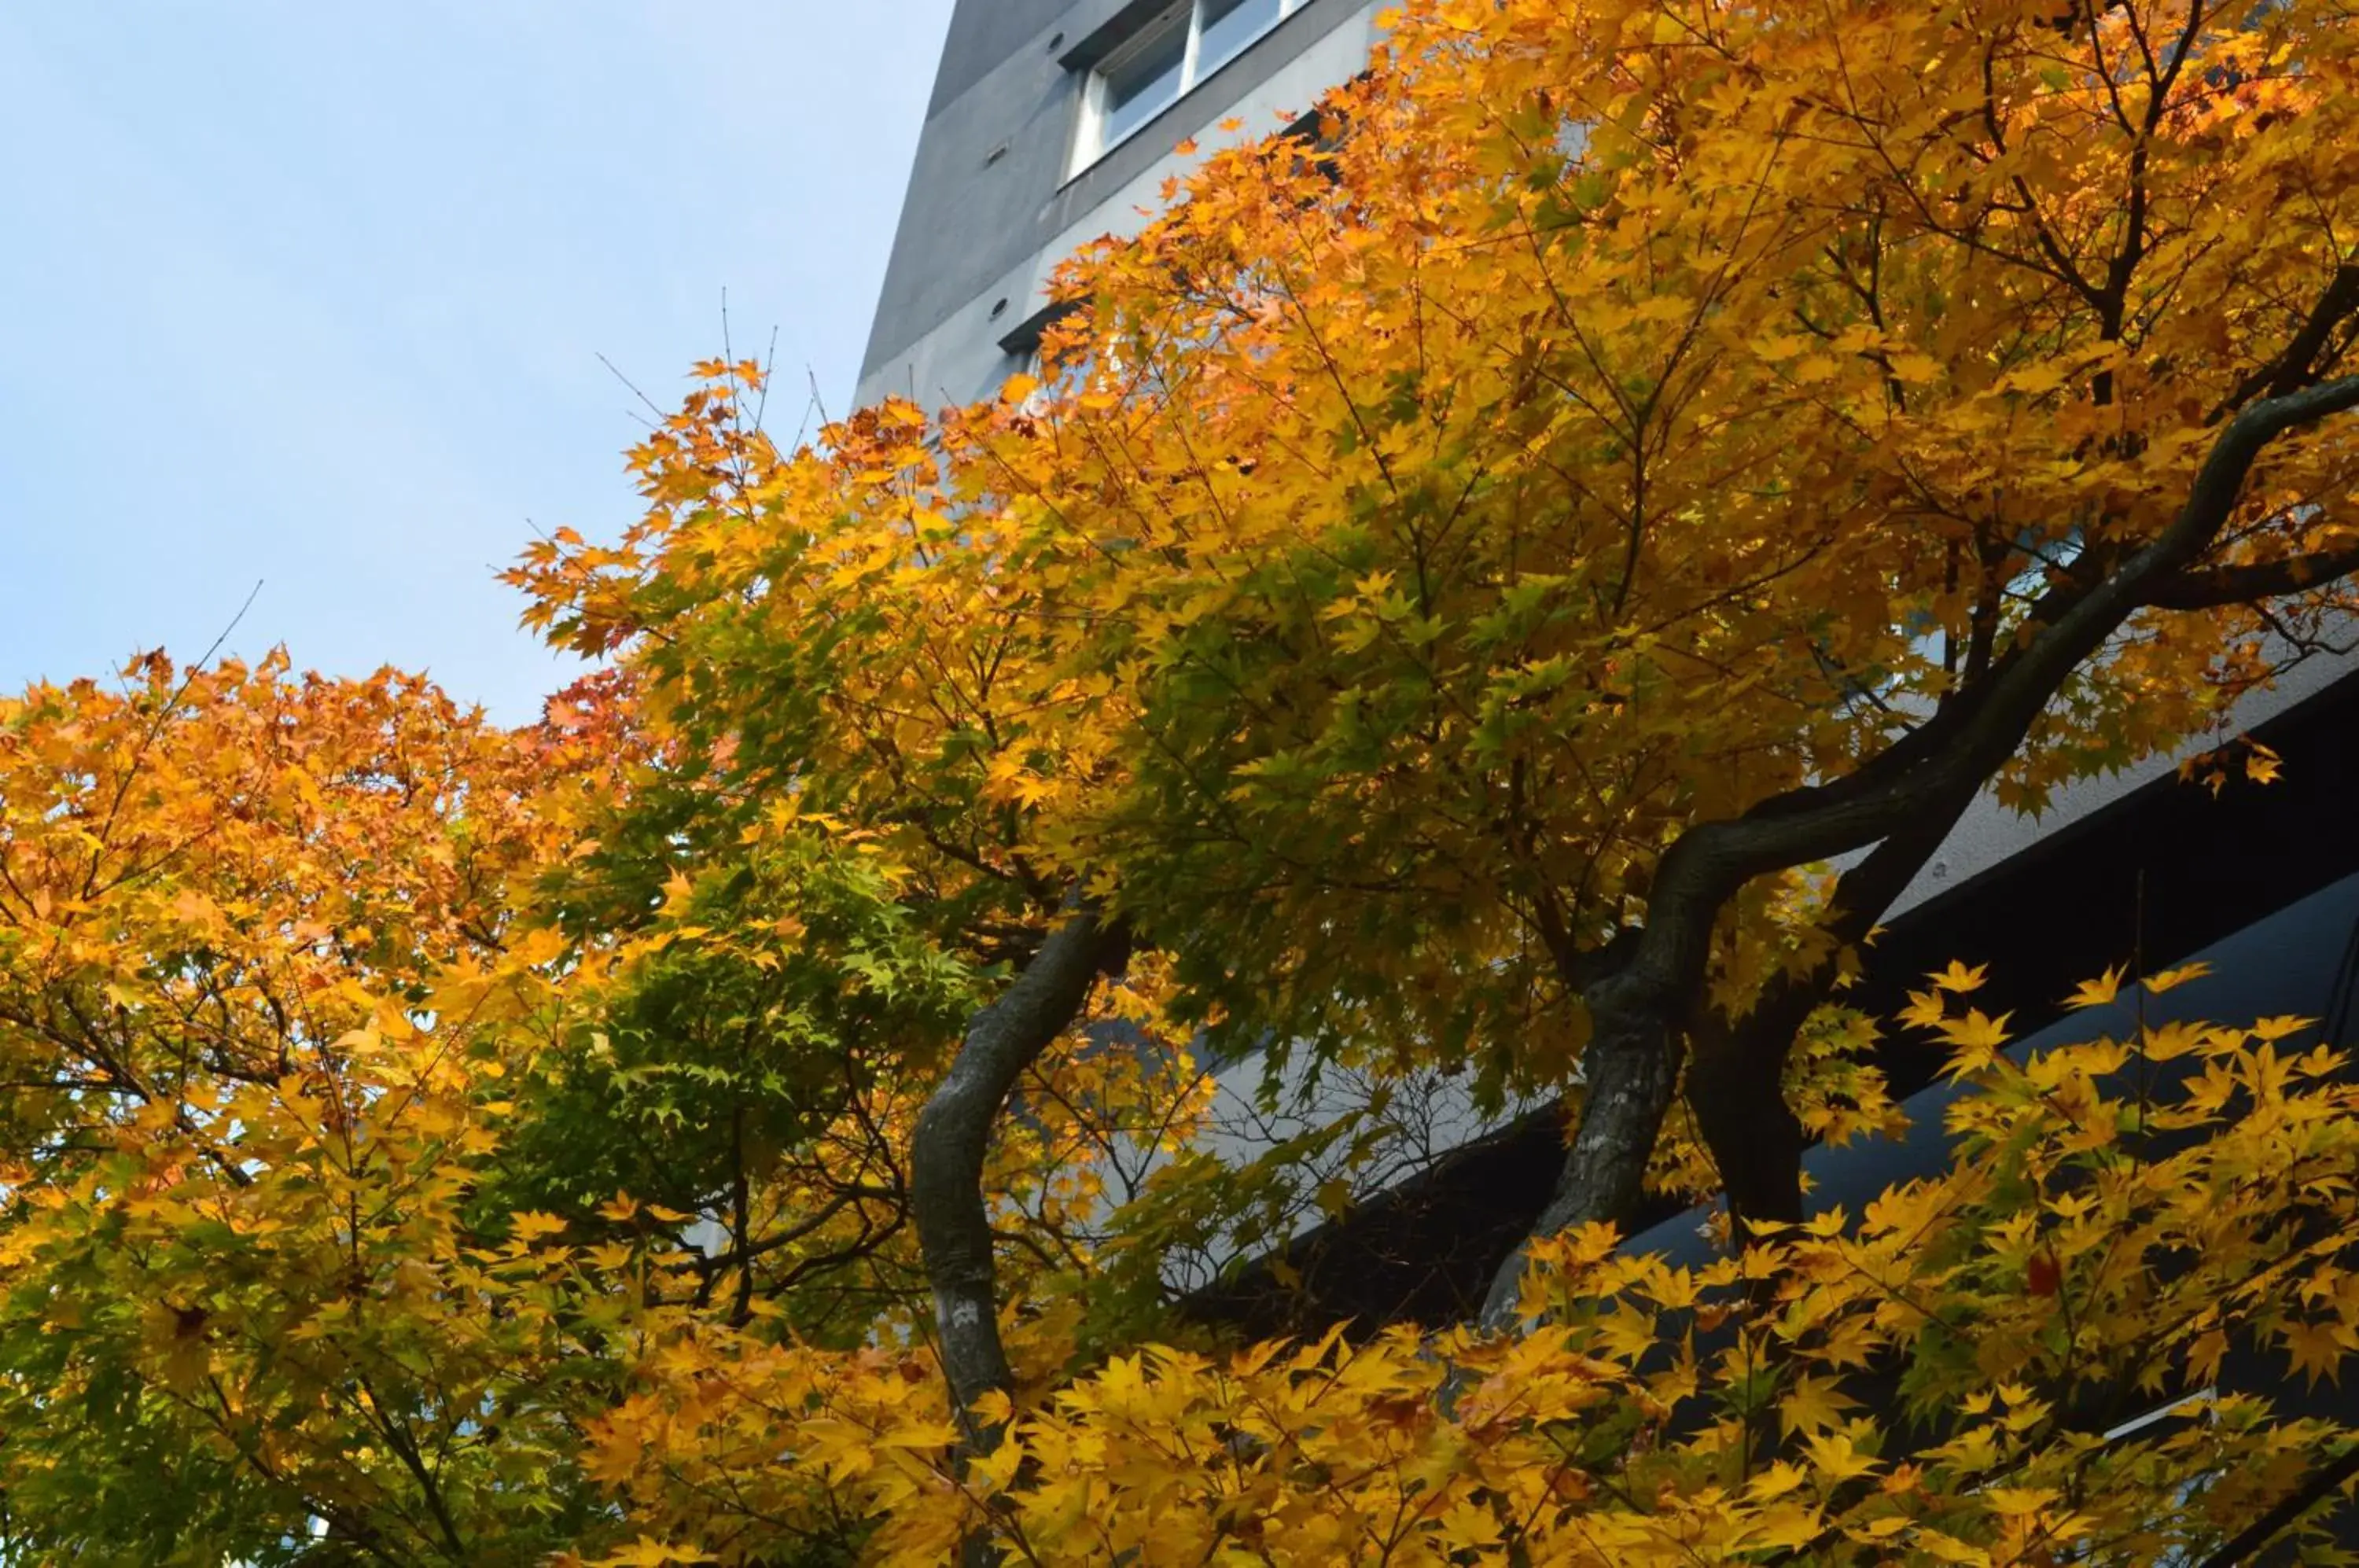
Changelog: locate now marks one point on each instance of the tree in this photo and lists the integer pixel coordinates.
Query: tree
(371, 1072)
(259, 982)
(2094, 1252)
(1650, 450)
(1472, 568)
(1515, 587)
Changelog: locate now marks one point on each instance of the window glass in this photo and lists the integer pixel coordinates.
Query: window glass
(1228, 26)
(1143, 82)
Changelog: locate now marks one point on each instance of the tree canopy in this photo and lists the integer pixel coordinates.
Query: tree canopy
(1511, 585)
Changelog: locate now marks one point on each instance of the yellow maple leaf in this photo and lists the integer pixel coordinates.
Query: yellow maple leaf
(1837, 1459)
(531, 1226)
(1977, 1033)
(1959, 978)
(2098, 992)
(2171, 979)
(1814, 1404)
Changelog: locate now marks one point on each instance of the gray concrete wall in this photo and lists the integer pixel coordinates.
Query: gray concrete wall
(990, 211)
(1990, 834)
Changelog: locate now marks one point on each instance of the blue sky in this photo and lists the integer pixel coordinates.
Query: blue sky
(314, 295)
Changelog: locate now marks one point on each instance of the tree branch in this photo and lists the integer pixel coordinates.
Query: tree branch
(2264, 1529)
(2299, 360)
(1637, 1012)
(2223, 585)
(1713, 859)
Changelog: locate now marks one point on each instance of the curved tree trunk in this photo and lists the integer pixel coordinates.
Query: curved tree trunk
(1736, 1079)
(1736, 1089)
(1631, 1070)
(954, 1135)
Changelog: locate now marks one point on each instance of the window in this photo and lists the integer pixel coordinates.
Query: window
(1148, 78)
(1223, 28)
(1165, 62)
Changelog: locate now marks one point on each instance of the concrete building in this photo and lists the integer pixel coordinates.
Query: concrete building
(1054, 122)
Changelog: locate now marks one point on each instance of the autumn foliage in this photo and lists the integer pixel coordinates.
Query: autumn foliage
(1507, 591)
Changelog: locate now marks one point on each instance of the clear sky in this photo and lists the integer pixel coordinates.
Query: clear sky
(314, 294)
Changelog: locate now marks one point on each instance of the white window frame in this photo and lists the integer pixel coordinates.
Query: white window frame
(1092, 144)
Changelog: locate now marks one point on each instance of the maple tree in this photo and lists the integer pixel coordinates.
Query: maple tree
(1655, 449)
(1471, 568)
(2009, 1338)
(339, 1028)
(254, 941)
(1512, 588)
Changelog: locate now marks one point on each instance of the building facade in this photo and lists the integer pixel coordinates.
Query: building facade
(1054, 122)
